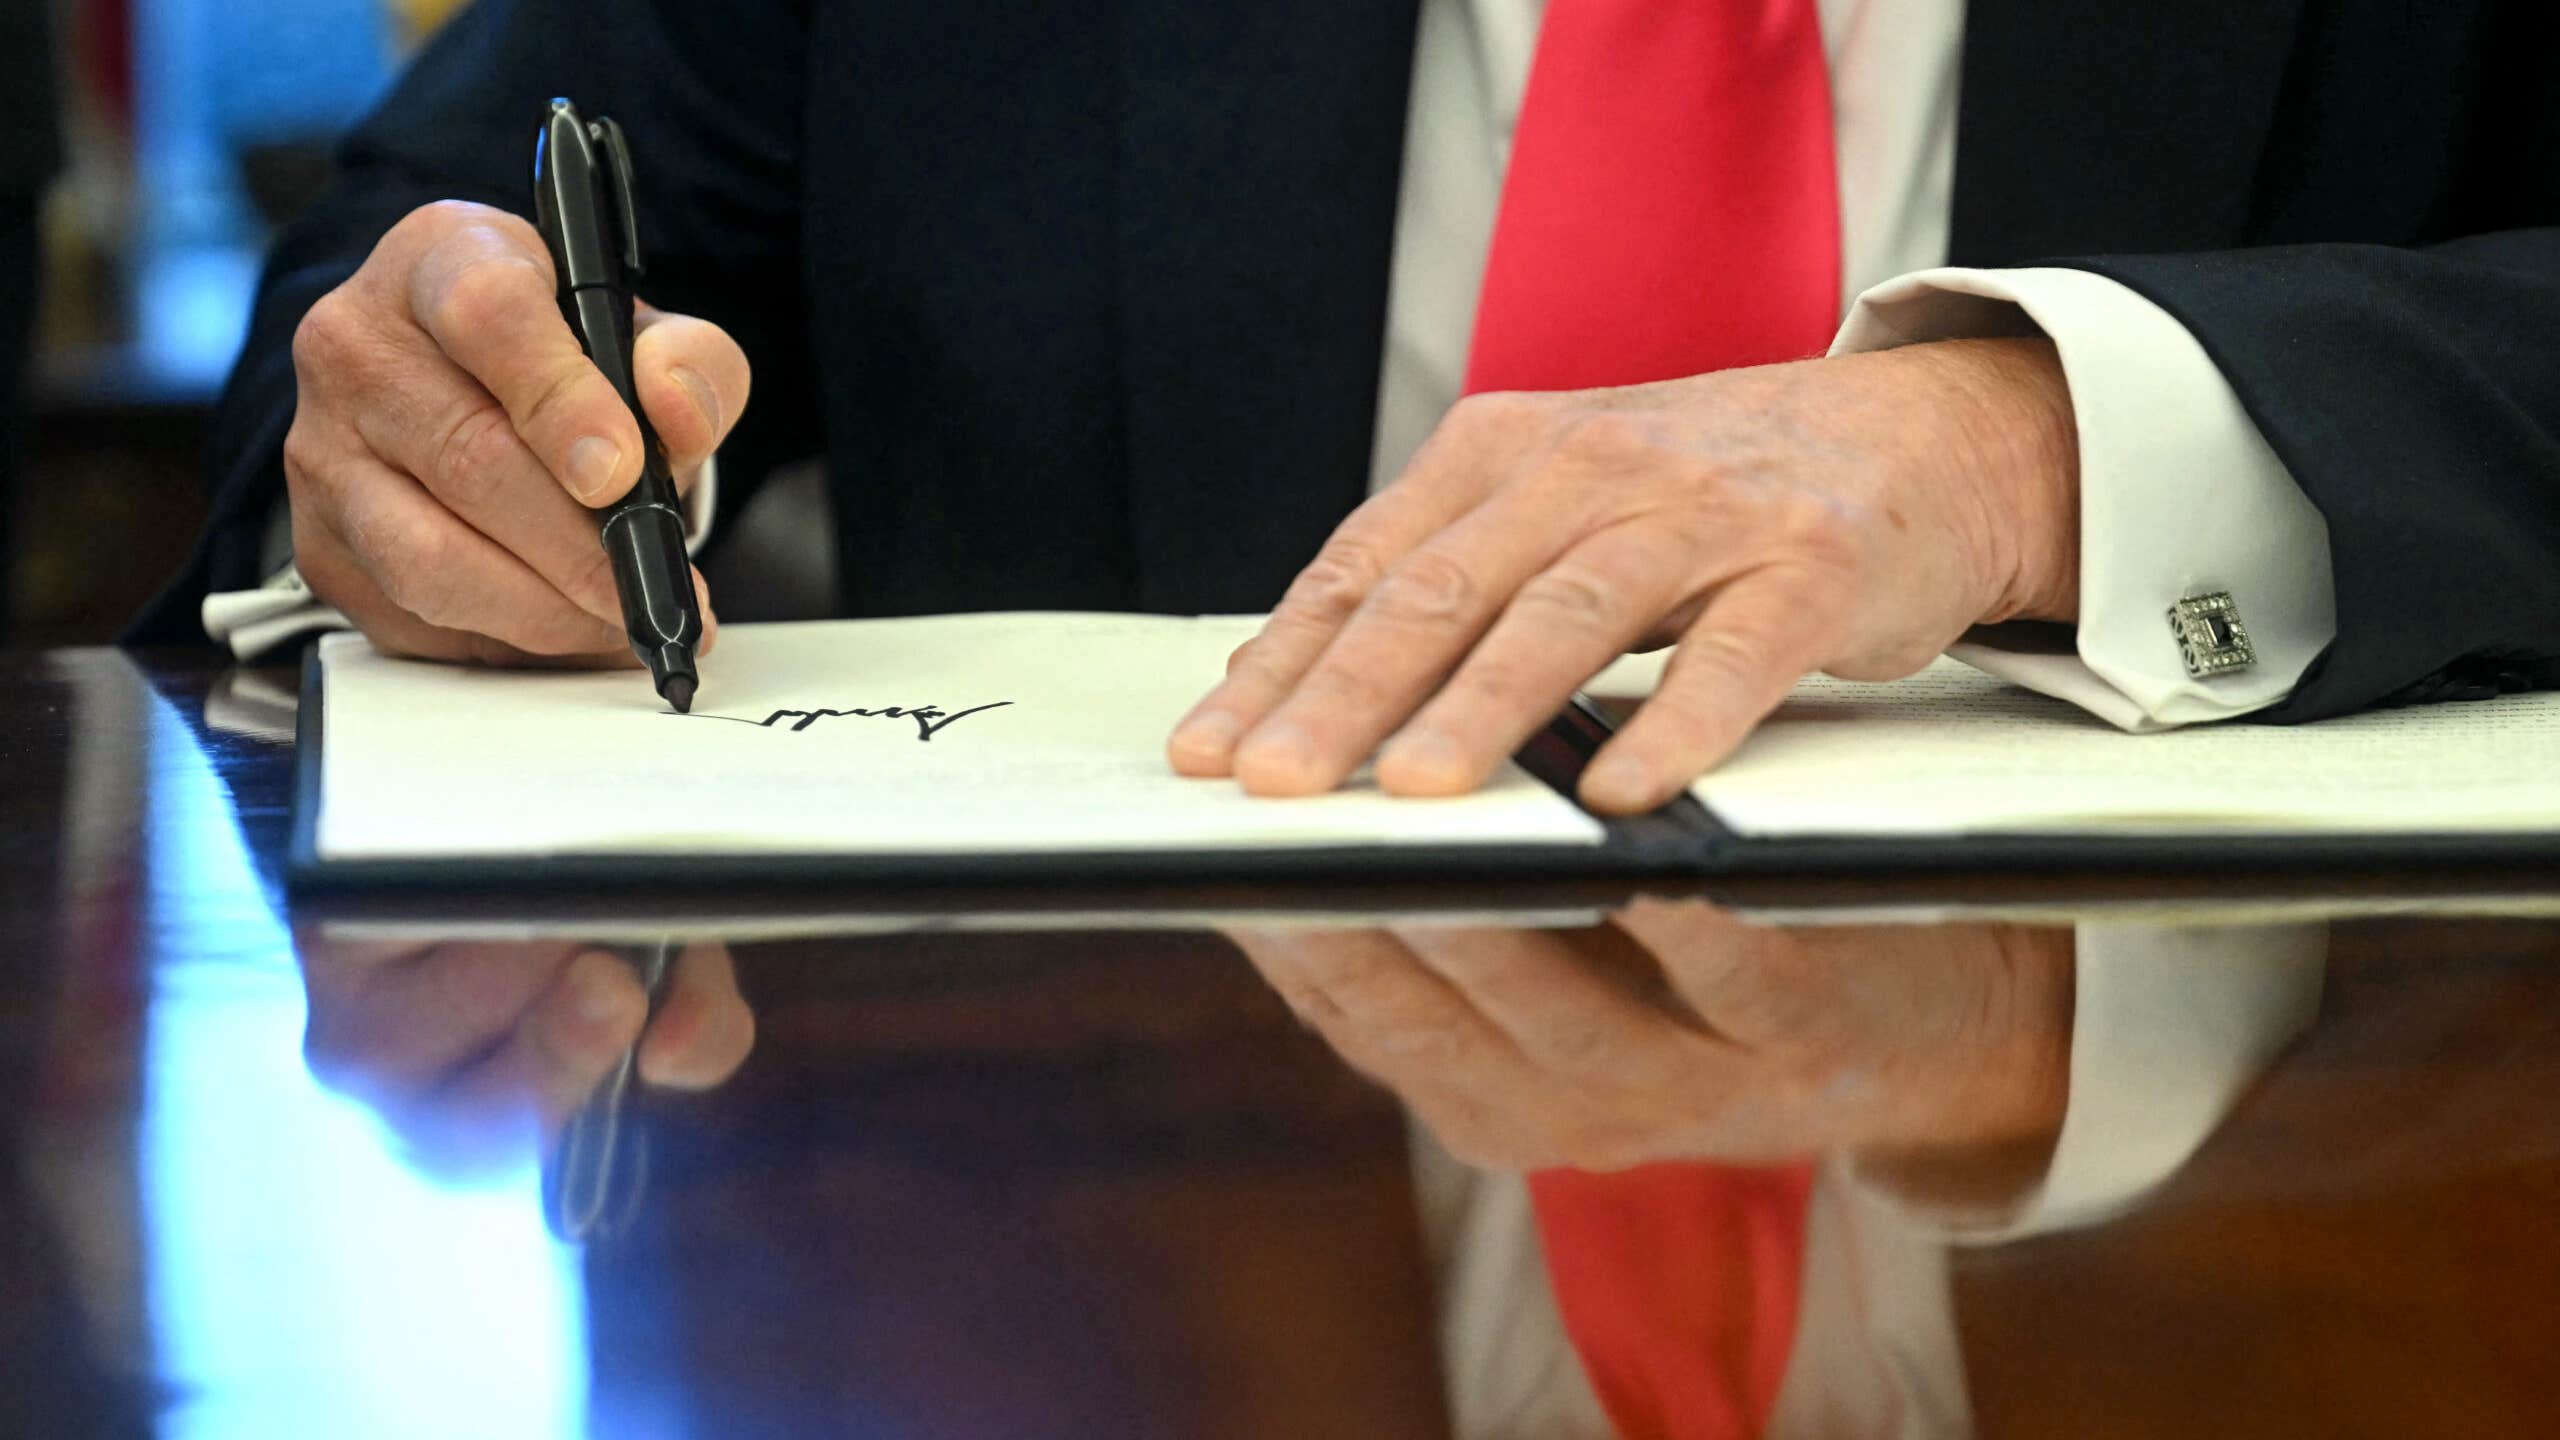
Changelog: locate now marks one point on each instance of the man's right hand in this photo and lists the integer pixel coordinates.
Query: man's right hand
(450, 439)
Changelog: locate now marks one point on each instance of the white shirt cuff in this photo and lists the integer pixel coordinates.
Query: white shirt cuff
(252, 622)
(2179, 495)
(2171, 1025)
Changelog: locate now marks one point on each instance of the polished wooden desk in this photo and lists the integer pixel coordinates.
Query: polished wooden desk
(1067, 1164)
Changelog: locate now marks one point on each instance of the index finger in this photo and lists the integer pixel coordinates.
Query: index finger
(1458, 466)
(484, 293)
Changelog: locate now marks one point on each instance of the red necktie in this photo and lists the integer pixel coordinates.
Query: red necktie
(1671, 209)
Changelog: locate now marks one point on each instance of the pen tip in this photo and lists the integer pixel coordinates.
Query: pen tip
(679, 693)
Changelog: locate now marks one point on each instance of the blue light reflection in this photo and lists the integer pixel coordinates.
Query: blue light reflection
(302, 1279)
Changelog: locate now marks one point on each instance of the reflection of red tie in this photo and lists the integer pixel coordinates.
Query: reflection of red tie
(1670, 207)
(1670, 210)
(1678, 1286)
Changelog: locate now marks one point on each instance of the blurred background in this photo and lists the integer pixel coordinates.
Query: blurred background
(148, 149)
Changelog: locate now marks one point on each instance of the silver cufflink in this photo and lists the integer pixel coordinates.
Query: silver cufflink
(2211, 638)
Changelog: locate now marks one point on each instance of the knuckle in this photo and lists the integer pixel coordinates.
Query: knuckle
(1498, 683)
(476, 230)
(559, 388)
(484, 294)
(471, 460)
(1427, 588)
(1604, 439)
(1335, 582)
(306, 463)
(1570, 598)
(415, 233)
(438, 218)
(418, 576)
(1259, 659)
(324, 340)
(1729, 654)
(1811, 524)
(510, 231)
(1247, 658)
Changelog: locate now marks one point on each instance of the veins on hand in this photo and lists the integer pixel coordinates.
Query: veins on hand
(931, 720)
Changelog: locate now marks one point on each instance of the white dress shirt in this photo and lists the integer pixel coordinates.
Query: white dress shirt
(2179, 494)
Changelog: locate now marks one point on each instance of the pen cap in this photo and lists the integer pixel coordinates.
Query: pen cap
(582, 199)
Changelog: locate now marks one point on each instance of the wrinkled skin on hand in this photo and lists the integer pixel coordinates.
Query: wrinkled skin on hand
(1854, 515)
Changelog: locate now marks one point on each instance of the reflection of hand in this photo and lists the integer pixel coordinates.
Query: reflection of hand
(466, 1050)
(1676, 1032)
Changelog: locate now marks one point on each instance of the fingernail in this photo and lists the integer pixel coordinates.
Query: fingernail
(592, 462)
(1210, 735)
(1282, 746)
(1621, 782)
(1426, 754)
(704, 398)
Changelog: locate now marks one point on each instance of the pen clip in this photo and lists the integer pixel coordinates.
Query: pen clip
(616, 179)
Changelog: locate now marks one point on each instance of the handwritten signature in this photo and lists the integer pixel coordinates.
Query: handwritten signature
(930, 719)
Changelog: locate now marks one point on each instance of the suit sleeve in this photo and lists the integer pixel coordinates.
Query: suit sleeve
(2414, 395)
(710, 96)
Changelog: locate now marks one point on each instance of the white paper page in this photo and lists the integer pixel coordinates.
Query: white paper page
(1953, 750)
(427, 760)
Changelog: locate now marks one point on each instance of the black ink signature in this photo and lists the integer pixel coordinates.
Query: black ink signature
(930, 719)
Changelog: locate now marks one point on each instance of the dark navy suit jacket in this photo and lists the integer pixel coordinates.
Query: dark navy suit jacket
(1083, 299)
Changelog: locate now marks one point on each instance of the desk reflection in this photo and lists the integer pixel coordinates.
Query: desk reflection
(1749, 1151)
(1670, 1174)
(476, 1054)
(1068, 1169)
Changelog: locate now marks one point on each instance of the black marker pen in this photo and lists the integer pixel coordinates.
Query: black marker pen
(582, 203)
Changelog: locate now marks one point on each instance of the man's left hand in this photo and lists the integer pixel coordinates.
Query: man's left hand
(1854, 514)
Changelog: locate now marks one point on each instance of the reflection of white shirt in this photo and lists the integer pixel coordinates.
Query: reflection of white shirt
(2171, 1025)
(2162, 440)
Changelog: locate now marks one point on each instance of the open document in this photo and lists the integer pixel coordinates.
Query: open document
(969, 734)
(1030, 747)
